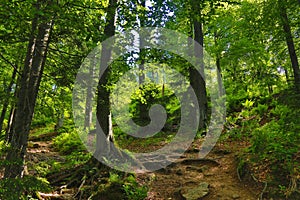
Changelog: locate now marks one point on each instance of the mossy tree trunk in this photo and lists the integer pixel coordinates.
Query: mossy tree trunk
(103, 93)
(29, 86)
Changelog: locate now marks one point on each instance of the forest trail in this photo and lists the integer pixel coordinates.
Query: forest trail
(40, 150)
(43, 152)
(214, 177)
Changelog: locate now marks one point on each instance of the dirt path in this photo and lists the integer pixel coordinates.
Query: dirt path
(42, 152)
(214, 177)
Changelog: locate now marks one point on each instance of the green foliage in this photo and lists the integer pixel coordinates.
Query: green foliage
(277, 142)
(274, 143)
(44, 167)
(247, 37)
(248, 104)
(67, 127)
(149, 94)
(234, 98)
(42, 121)
(66, 143)
(77, 158)
(261, 109)
(41, 129)
(121, 187)
(114, 178)
(11, 189)
(133, 190)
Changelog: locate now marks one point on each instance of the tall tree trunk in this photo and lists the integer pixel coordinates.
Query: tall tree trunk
(26, 99)
(89, 98)
(286, 73)
(219, 70)
(8, 133)
(142, 18)
(289, 41)
(103, 104)
(143, 114)
(197, 79)
(6, 102)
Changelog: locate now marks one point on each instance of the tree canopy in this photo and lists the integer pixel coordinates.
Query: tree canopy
(244, 52)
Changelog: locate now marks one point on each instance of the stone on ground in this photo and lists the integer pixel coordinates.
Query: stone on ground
(195, 192)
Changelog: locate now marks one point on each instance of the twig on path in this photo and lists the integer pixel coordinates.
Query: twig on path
(238, 174)
(79, 189)
(265, 187)
(263, 191)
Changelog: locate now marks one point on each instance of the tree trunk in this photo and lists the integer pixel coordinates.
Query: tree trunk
(290, 42)
(89, 98)
(8, 133)
(143, 114)
(198, 79)
(103, 104)
(26, 99)
(142, 18)
(219, 70)
(6, 102)
(286, 73)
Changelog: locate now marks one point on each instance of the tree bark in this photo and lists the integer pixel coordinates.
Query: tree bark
(6, 102)
(26, 99)
(290, 42)
(143, 113)
(219, 69)
(89, 98)
(142, 19)
(103, 104)
(8, 133)
(286, 73)
(198, 79)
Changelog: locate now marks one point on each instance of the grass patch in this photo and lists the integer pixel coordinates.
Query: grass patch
(36, 132)
(140, 145)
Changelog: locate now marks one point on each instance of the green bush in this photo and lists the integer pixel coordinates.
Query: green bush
(22, 188)
(66, 143)
(150, 94)
(133, 190)
(277, 143)
(261, 109)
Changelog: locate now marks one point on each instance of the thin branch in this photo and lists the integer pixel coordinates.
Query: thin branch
(60, 51)
(11, 64)
(86, 7)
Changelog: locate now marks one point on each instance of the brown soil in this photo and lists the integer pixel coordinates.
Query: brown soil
(218, 169)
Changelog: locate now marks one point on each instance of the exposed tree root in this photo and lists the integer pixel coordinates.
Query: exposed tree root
(203, 161)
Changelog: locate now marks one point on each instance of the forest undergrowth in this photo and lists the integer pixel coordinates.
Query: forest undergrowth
(261, 134)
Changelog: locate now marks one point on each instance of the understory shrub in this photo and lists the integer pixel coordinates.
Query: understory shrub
(66, 143)
(150, 94)
(22, 188)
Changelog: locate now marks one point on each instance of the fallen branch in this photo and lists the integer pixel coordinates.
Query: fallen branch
(79, 189)
(263, 191)
(238, 174)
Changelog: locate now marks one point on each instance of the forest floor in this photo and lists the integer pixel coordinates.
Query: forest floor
(215, 177)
